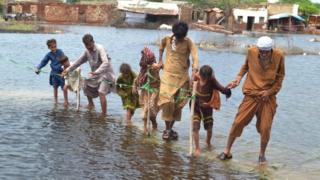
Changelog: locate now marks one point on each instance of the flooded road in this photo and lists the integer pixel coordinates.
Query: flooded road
(43, 140)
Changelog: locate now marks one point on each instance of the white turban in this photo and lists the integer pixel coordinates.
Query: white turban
(265, 43)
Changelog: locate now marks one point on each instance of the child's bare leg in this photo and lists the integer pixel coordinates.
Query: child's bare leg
(55, 94)
(209, 135)
(196, 142)
(154, 123)
(130, 113)
(65, 95)
(90, 103)
(103, 102)
(145, 123)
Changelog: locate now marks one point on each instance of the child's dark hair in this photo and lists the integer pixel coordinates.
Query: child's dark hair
(63, 59)
(125, 68)
(51, 41)
(180, 29)
(206, 72)
(87, 38)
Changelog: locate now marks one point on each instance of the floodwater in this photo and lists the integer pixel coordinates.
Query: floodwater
(43, 140)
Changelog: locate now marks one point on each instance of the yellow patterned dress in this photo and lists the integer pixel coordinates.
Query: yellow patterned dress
(129, 99)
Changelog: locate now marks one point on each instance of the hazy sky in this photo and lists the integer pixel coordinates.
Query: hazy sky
(315, 1)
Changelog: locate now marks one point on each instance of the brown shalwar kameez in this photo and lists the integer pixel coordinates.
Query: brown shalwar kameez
(176, 76)
(260, 77)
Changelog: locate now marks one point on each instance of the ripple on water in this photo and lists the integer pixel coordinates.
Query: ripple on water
(41, 140)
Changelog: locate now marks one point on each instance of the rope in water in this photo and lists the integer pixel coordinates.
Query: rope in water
(147, 86)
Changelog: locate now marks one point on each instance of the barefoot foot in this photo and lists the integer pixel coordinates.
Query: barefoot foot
(197, 153)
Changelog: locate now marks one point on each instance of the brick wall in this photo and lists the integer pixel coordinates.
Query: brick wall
(186, 13)
(70, 13)
(61, 13)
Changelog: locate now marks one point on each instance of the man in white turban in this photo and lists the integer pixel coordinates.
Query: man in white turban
(264, 66)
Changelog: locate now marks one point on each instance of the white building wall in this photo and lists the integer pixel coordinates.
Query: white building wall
(295, 9)
(273, 1)
(245, 13)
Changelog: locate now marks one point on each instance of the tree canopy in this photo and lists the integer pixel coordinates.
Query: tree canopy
(306, 7)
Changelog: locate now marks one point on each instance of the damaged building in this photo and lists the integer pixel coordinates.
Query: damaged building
(56, 12)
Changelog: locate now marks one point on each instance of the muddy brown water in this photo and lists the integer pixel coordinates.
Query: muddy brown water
(43, 140)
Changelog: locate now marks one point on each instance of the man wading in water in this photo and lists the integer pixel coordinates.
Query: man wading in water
(175, 78)
(265, 71)
(101, 78)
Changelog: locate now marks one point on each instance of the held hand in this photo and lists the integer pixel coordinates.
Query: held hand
(64, 73)
(134, 90)
(194, 74)
(234, 83)
(156, 66)
(264, 95)
(92, 73)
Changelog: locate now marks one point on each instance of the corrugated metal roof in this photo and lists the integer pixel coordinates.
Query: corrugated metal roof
(285, 15)
(149, 7)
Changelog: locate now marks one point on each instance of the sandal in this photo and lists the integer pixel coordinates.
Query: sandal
(173, 135)
(224, 157)
(166, 135)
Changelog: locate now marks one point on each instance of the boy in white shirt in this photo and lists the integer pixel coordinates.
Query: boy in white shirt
(72, 79)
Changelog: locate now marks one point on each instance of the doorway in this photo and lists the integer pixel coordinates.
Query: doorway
(250, 23)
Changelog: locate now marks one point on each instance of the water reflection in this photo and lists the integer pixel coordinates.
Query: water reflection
(43, 140)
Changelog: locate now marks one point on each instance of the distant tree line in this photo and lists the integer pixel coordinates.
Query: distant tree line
(306, 7)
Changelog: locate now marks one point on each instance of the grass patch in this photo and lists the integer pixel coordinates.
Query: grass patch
(17, 26)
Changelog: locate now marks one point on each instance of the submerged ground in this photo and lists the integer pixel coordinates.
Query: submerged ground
(41, 140)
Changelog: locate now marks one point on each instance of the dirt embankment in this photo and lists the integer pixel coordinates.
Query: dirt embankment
(27, 27)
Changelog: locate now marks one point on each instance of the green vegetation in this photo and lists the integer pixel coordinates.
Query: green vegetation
(17, 26)
(155, 0)
(306, 7)
(91, 1)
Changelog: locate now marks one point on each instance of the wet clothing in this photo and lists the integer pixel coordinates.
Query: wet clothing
(54, 61)
(153, 95)
(176, 66)
(260, 77)
(153, 104)
(124, 89)
(207, 93)
(54, 79)
(73, 80)
(204, 115)
(252, 106)
(100, 63)
(171, 111)
(175, 79)
(147, 59)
